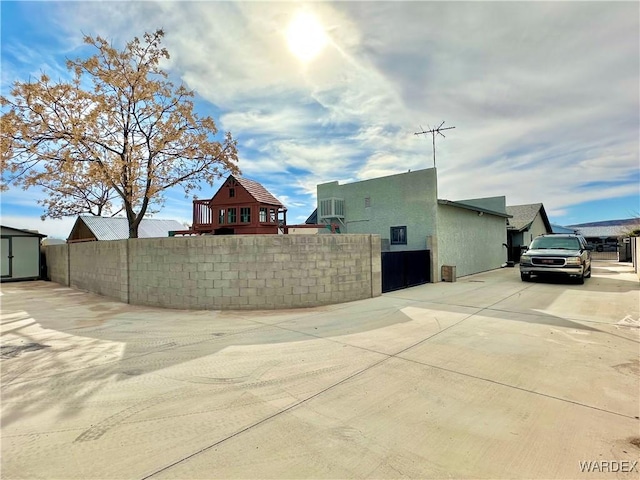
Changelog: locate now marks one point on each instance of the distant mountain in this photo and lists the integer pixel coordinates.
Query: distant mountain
(609, 223)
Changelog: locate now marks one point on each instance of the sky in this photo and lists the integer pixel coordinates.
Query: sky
(544, 96)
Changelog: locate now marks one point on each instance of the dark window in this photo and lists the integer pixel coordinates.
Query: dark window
(232, 215)
(367, 202)
(263, 214)
(272, 215)
(221, 216)
(245, 214)
(398, 235)
(232, 192)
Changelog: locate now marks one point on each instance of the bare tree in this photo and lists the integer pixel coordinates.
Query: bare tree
(118, 129)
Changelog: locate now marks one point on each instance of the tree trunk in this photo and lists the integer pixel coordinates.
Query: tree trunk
(132, 218)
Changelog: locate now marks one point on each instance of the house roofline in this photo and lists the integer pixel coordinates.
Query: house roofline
(474, 208)
(239, 179)
(41, 235)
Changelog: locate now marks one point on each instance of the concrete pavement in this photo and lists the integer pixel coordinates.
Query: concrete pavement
(488, 377)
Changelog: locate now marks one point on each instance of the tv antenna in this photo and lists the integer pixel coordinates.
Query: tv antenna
(433, 132)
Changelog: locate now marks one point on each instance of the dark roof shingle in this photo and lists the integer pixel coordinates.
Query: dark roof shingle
(524, 215)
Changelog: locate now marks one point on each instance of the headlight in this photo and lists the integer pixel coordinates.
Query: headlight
(574, 261)
(525, 259)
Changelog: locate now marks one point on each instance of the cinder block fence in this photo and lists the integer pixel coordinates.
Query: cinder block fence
(224, 272)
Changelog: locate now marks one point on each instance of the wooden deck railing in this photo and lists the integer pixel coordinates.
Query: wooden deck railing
(202, 216)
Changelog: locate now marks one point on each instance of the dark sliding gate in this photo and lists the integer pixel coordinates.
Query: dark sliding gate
(405, 269)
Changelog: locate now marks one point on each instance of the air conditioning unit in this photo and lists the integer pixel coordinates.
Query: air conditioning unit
(331, 208)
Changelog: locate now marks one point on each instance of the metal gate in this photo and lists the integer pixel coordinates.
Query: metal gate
(405, 269)
(605, 255)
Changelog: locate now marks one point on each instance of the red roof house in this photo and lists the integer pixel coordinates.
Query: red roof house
(241, 206)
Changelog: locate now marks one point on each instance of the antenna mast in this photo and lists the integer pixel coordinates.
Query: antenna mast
(433, 132)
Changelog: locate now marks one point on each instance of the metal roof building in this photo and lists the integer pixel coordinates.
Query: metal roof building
(560, 229)
(611, 231)
(91, 228)
(608, 228)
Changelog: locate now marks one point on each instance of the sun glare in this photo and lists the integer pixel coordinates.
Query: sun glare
(306, 36)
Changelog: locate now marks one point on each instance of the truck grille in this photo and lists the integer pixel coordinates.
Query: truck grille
(548, 261)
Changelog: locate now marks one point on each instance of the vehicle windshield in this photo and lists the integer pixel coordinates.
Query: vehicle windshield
(560, 243)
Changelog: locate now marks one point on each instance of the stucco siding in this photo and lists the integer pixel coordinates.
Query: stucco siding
(537, 228)
(407, 199)
(470, 242)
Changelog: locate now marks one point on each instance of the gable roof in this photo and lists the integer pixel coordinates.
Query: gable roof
(524, 215)
(257, 191)
(117, 228)
(313, 218)
(253, 188)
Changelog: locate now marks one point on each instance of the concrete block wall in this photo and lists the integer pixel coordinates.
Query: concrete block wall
(229, 272)
(253, 271)
(100, 267)
(58, 263)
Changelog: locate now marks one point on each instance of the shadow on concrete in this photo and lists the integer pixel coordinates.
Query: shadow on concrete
(92, 339)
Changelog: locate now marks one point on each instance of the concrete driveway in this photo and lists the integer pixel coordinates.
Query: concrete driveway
(488, 377)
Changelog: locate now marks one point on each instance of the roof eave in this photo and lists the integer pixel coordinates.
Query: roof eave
(35, 234)
(474, 208)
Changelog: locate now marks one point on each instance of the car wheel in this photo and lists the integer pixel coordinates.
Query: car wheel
(581, 280)
(525, 277)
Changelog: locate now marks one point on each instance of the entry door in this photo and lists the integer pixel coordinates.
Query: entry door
(5, 260)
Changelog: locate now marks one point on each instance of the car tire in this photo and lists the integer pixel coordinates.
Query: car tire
(581, 280)
(525, 277)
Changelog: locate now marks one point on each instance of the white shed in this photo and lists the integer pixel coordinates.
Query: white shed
(20, 254)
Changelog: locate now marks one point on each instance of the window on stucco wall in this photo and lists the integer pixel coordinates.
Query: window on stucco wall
(399, 235)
